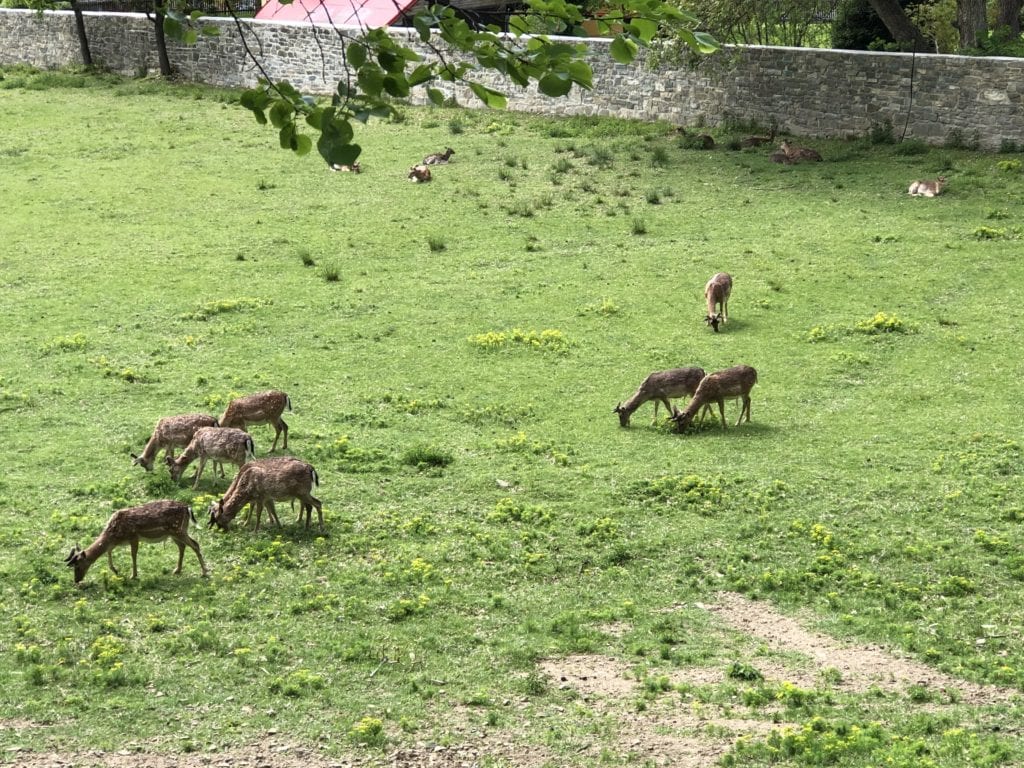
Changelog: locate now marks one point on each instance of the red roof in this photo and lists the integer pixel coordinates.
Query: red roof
(366, 13)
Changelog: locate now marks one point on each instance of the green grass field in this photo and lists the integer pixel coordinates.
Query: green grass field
(454, 351)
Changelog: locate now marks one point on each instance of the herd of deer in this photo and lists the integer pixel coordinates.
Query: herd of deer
(703, 388)
(258, 482)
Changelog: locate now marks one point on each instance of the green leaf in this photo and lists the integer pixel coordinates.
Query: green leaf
(211, 31)
(436, 96)
(390, 62)
(396, 85)
(371, 80)
(518, 25)
(581, 74)
(421, 74)
(287, 136)
(490, 97)
(422, 26)
(303, 144)
(706, 43)
(173, 28)
(645, 29)
(189, 37)
(355, 53)
(623, 50)
(281, 114)
(554, 84)
(339, 153)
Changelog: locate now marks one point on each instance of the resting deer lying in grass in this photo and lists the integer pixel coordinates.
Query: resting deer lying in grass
(419, 173)
(353, 168)
(264, 481)
(171, 432)
(660, 386)
(155, 521)
(732, 383)
(927, 187)
(439, 158)
(757, 141)
(219, 444)
(261, 408)
(796, 154)
(717, 292)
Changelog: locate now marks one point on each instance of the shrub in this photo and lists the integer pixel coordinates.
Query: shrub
(881, 323)
(422, 456)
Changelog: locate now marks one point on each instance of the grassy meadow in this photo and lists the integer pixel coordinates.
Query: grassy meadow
(453, 352)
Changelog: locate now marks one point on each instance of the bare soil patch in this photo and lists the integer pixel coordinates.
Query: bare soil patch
(668, 732)
(861, 667)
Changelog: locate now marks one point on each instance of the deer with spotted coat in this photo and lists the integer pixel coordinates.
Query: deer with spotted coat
(155, 521)
(260, 408)
(660, 386)
(218, 444)
(264, 481)
(730, 384)
(717, 292)
(171, 432)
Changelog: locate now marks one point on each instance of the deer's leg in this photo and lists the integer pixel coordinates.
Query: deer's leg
(668, 407)
(199, 472)
(181, 556)
(110, 561)
(313, 501)
(195, 548)
(272, 514)
(721, 411)
(745, 409)
(135, 554)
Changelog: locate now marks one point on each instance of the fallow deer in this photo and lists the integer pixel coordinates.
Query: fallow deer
(796, 154)
(171, 432)
(264, 481)
(659, 387)
(419, 173)
(757, 141)
(219, 444)
(260, 408)
(439, 158)
(717, 292)
(732, 383)
(353, 168)
(155, 521)
(927, 187)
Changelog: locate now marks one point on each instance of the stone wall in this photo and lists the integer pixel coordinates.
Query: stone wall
(809, 92)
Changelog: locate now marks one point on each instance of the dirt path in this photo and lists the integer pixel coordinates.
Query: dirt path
(667, 733)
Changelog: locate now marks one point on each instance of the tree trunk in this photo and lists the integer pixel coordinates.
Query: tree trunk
(903, 30)
(1008, 17)
(161, 41)
(971, 21)
(83, 39)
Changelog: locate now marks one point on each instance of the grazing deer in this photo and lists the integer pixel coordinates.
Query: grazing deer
(261, 408)
(219, 444)
(717, 292)
(927, 187)
(155, 521)
(264, 481)
(439, 158)
(732, 383)
(419, 173)
(796, 154)
(659, 387)
(353, 168)
(171, 432)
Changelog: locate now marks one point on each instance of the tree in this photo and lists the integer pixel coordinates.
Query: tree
(83, 38)
(972, 22)
(903, 30)
(378, 68)
(1008, 17)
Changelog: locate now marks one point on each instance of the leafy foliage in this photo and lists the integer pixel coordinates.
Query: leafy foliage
(380, 68)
